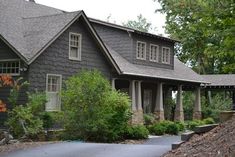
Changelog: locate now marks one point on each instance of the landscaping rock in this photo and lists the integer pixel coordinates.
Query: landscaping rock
(204, 128)
(219, 142)
(187, 135)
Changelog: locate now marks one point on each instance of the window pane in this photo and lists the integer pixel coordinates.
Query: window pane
(9, 67)
(73, 52)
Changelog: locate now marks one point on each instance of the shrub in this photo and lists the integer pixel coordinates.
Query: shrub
(157, 129)
(208, 121)
(180, 125)
(149, 119)
(194, 123)
(92, 110)
(137, 132)
(172, 128)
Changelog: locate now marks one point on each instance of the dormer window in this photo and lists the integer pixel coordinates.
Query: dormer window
(75, 46)
(166, 55)
(141, 50)
(153, 56)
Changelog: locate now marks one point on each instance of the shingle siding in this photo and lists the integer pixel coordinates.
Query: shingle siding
(119, 40)
(55, 59)
(6, 52)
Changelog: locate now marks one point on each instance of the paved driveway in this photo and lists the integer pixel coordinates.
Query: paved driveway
(154, 147)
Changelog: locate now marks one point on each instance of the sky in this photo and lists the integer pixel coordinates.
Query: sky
(119, 10)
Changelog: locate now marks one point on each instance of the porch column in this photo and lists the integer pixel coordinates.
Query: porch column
(139, 105)
(159, 111)
(113, 83)
(133, 96)
(197, 106)
(233, 107)
(179, 112)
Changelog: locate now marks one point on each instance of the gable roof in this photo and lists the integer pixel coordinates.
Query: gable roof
(29, 28)
(181, 72)
(220, 79)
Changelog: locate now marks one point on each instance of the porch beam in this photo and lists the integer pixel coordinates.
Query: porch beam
(159, 111)
(179, 112)
(197, 112)
(139, 105)
(133, 95)
(113, 83)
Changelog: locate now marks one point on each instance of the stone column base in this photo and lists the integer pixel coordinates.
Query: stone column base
(159, 115)
(179, 116)
(197, 115)
(137, 117)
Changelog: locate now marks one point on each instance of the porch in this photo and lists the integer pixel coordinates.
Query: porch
(151, 95)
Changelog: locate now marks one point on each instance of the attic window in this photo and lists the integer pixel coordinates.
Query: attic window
(166, 55)
(75, 46)
(11, 67)
(153, 56)
(141, 50)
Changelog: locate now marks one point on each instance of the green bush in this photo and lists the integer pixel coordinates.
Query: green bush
(157, 129)
(194, 123)
(92, 110)
(149, 119)
(208, 121)
(25, 120)
(136, 132)
(172, 128)
(180, 125)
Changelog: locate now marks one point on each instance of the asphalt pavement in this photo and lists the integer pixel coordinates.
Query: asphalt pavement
(154, 147)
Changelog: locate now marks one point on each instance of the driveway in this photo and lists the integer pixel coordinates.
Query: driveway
(154, 147)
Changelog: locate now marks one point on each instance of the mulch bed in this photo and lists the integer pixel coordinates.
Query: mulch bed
(20, 146)
(219, 142)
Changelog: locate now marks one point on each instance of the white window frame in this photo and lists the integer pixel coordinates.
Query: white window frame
(157, 55)
(141, 42)
(79, 58)
(169, 56)
(11, 60)
(60, 77)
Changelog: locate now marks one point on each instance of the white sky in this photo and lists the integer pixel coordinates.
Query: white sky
(120, 10)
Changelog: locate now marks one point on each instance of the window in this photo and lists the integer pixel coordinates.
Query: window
(153, 56)
(53, 87)
(11, 67)
(166, 55)
(141, 50)
(75, 46)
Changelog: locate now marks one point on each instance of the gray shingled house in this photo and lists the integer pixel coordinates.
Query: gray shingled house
(45, 46)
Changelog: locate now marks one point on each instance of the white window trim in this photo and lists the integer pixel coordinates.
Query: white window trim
(144, 50)
(169, 56)
(57, 75)
(11, 60)
(157, 57)
(80, 47)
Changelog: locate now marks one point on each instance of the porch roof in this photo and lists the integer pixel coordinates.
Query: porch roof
(220, 80)
(180, 72)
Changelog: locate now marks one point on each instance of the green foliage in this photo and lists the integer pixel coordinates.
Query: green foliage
(206, 31)
(25, 120)
(140, 24)
(149, 119)
(166, 127)
(136, 132)
(92, 110)
(218, 104)
(194, 123)
(208, 121)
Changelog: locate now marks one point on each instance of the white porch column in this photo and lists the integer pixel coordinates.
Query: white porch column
(133, 95)
(197, 106)
(113, 83)
(139, 105)
(179, 112)
(159, 111)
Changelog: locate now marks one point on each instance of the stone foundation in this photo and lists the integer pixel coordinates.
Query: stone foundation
(226, 115)
(159, 115)
(137, 117)
(197, 115)
(179, 116)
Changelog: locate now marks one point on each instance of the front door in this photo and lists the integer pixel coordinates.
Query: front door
(147, 101)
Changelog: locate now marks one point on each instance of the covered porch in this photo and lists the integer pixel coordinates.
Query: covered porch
(149, 95)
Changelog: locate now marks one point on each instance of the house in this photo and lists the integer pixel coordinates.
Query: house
(45, 46)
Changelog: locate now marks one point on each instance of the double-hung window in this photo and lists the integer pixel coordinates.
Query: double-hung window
(153, 56)
(141, 50)
(53, 88)
(10, 67)
(166, 55)
(75, 46)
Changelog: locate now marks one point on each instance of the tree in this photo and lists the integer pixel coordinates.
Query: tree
(140, 24)
(206, 30)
